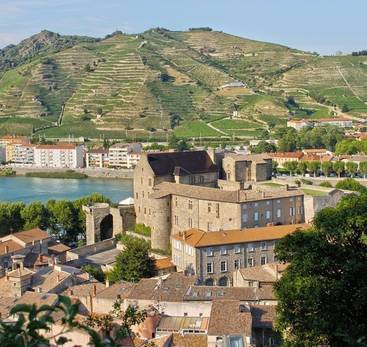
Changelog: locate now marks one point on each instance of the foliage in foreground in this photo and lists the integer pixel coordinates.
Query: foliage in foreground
(34, 323)
(322, 295)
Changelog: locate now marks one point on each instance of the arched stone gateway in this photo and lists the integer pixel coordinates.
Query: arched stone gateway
(223, 281)
(209, 282)
(104, 222)
(106, 227)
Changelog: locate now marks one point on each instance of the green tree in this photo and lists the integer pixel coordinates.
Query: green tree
(322, 294)
(302, 167)
(10, 217)
(339, 167)
(263, 147)
(327, 168)
(133, 263)
(291, 166)
(351, 184)
(35, 215)
(313, 167)
(352, 168)
(64, 219)
(95, 271)
(363, 168)
(274, 166)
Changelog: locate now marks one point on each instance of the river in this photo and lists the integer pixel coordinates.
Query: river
(28, 189)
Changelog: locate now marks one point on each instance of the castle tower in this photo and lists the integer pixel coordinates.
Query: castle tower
(20, 277)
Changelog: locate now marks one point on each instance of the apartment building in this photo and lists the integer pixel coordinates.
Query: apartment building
(124, 155)
(283, 157)
(59, 156)
(97, 158)
(214, 256)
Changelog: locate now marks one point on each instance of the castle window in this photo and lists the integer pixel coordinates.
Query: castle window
(279, 212)
(223, 251)
(267, 213)
(150, 182)
(263, 259)
(190, 204)
(201, 179)
(264, 246)
(176, 220)
(141, 180)
(237, 249)
(192, 179)
(176, 202)
(223, 266)
(142, 193)
(250, 262)
(136, 195)
(167, 219)
(217, 210)
(145, 210)
(256, 216)
(190, 222)
(209, 268)
(237, 264)
(209, 207)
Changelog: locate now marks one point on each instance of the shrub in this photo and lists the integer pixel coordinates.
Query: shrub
(326, 184)
(142, 229)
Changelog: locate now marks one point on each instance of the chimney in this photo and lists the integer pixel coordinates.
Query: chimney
(41, 258)
(58, 277)
(94, 289)
(6, 249)
(287, 187)
(107, 283)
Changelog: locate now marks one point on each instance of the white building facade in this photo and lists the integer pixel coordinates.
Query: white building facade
(125, 155)
(59, 156)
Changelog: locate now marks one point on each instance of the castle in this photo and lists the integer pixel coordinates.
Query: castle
(177, 191)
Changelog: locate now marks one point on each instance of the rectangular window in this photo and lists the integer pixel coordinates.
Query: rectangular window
(250, 262)
(256, 204)
(279, 213)
(176, 220)
(217, 210)
(291, 212)
(209, 207)
(176, 202)
(237, 249)
(264, 246)
(256, 216)
(223, 266)
(268, 203)
(136, 195)
(190, 204)
(245, 217)
(190, 222)
(209, 252)
(209, 268)
(250, 247)
(223, 251)
(150, 182)
(267, 213)
(142, 194)
(263, 259)
(237, 264)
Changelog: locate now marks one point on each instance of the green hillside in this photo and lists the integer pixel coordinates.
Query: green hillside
(162, 82)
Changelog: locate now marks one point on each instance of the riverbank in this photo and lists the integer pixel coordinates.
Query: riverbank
(69, 174)
(90, 172)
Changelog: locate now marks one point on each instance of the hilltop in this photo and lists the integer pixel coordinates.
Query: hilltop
(159, 82)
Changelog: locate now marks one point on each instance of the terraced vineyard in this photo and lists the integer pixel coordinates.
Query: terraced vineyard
(162, 82)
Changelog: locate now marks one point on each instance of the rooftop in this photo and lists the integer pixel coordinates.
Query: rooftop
(256, 158)
(263, 273)
(58, 146)
(263, 316)
(163, 263)
(296, 155)
(195, 162)
(215, 194)
(120, 289)
(230, 317)
(178, 324)
(198, 238)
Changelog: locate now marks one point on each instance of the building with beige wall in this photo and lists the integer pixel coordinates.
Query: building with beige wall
(245, 168)
(97, 158)
(214, 256)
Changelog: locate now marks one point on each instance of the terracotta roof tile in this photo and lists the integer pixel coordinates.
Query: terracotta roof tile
(263, 316)
(121, 289)
(198, 238)
(28, 236)
(9, 247)
(163, 263)
(215, 194)
(229, 317)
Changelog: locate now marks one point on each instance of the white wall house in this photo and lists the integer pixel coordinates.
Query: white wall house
(125, 155)
(59, 156)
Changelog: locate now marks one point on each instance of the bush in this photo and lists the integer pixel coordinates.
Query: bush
(351, 184)
(56, 174)
(142, 229)
(326, 184)
(304, 181)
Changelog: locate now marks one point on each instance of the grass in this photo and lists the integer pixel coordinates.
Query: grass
(196, 129)
(231, 124)
(313, 192)
(272, 184)
(69, 174)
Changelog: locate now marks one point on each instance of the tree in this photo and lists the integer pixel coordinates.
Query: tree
(327, 167)
(345, 108)
(322, 294)
(274, 166)
(302, 167)
(313, 167)
(363, 168)
(352, 168)
(291, 166)
(99, 111)
(10, 217)
(35, 215)
(95, 271)
(178, 144)
(263, 147)
(351, 184)
(339, 167)
(133, 263)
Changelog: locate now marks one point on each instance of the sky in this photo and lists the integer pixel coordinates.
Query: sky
(325, 26)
